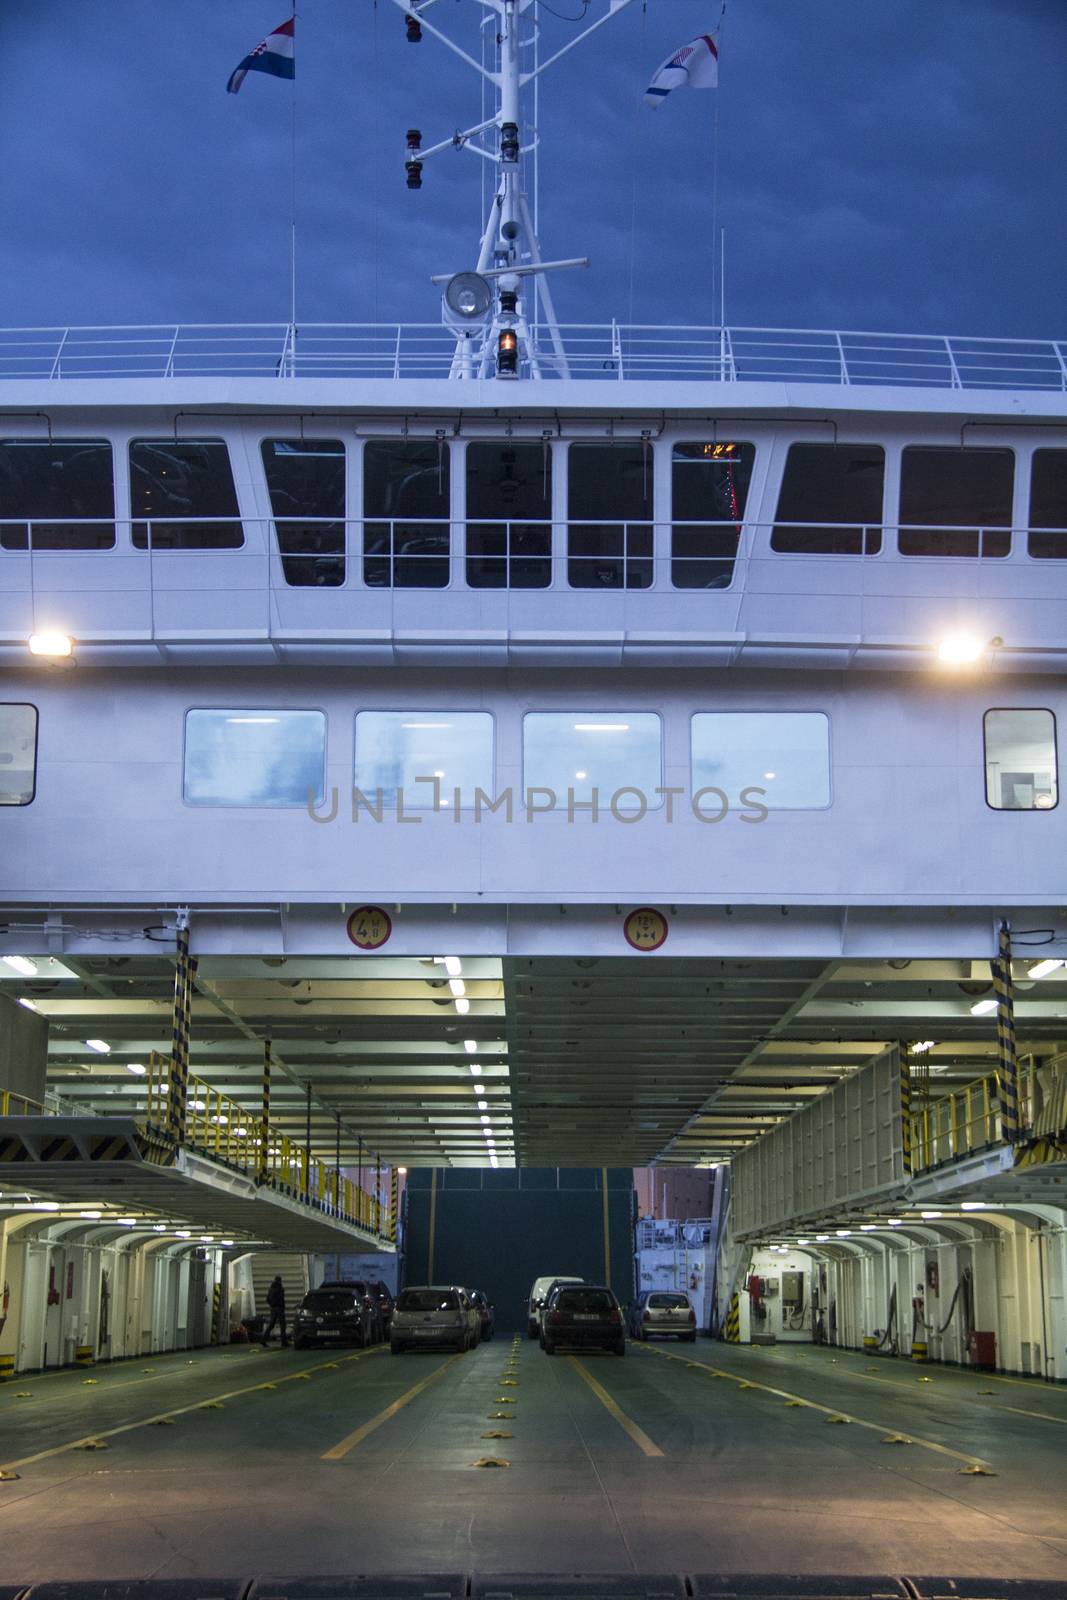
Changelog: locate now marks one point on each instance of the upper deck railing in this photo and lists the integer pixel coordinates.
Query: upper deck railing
(612, 351)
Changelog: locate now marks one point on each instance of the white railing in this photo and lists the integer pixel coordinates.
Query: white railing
(610, 351)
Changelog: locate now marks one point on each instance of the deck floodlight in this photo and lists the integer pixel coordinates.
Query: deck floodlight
(509, 141)
(507, 354)
(468, 297)
(55, 645)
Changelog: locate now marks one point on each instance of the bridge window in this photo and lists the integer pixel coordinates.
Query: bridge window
(609, 494)
(306, 484)
(59, 493)
(955, 502)
(1048, 505)
(830, 502)
(1020, 760)
(576, 753)
(254, 757)
(185, 492)
(405, 502)
(18, 754)
(509, 512)
(709, 487)
(784, 754)
(423, 756)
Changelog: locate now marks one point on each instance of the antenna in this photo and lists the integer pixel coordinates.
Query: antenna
(485, 306)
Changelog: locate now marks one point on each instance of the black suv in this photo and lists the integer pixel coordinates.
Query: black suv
(583, 1314)
(337, 1313)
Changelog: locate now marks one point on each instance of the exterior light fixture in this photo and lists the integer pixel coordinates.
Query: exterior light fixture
(476, 1070)
(101, 1046)
(868, 1227)
(21, 964)
(413, 29)
(403, 1171)
(507, 353)
(56, 646)
(1041, 970)
(509, 141)
(982, 1008)
(959, 650)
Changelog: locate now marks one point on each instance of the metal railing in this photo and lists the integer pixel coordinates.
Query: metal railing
(20, 1105)
(611, 351)
(219, 1127)
(960, 1123)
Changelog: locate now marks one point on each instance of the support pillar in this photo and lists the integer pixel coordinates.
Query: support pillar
(264, 1130)
(1007, 1059)
(178, 1091)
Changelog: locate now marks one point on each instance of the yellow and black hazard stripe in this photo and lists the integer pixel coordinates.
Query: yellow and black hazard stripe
(184, 975)
(905, 1109)
(732, 1326)
(111, 1147)
(13, 1150)
(216, 1312)
(394, 1201)
(1007, 1059)
(60, 1148)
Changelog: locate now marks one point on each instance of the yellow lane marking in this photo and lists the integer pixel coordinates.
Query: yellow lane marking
(339, 1451)
(954, 1394)
(638, 1435)
(984, 1377)
(106, 1369)
(831, 1411)
(173, 1411)
(1044, 1415)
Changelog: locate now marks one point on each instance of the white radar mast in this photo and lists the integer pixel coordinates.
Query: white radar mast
(486, 306)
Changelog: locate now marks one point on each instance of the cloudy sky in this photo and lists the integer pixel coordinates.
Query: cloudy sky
(881, 164)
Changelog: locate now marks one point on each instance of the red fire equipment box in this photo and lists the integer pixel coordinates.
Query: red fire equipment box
(982, 1349)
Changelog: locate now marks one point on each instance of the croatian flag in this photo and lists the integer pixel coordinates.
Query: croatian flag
(275, 54)
(695, 64)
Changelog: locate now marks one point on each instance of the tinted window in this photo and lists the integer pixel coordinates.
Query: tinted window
(394, 749)
(306, 484)
(832, 493)
(665, 1301)
(609, 498)
(330, 1299)
(1048, 505)
(428, 1300)
(18, 754)
(406, 484)
(185, 490)
(254, 758)
(47, 482)
(509, 507)
(1020, 760)
(709, 488)
(955, 500)
(575, 753)
(786, 754)
(584, 1300)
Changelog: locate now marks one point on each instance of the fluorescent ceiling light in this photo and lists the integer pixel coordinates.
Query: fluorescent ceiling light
(425, 724)
(265, 722)
(923, 1045)
(821, 1238)
(182, 1233)
(844, 1233)
(51, 644)
(46, 1205)
(802, 1241)
(225, 1241)
(453, 966)
(197, 1105)
(476, 1070)
(868, 1227)
(483, 1105)
(958, 650)
(982, 1008)
(471, 1047)
(973, 1205)
(457, 986)
(126, 1222)
(91, 1216)
(463, 1006)
(159, 1227)
(894, 1222)
(601, 727)
(138, 1068)
(930, 1216)
(24, 965)
(486, 1118)
(1040, 970)
(206, 1238)
(101, 1046)
(27, 1003)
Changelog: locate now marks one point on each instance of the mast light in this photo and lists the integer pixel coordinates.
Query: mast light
(413, 29)
(507, 354)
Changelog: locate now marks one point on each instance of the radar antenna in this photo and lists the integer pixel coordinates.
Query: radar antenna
(486, 307)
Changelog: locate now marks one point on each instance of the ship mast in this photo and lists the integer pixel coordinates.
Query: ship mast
(486, 307)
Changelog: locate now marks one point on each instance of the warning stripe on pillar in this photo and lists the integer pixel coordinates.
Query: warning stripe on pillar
(184, 972)
(1007, 1059)
(394, 1201)
(216, 1312)
(905, 1109)
(264, 1132)
(733, 1321)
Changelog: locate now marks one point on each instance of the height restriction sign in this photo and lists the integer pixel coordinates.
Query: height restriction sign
(645, 929)
(369, 927)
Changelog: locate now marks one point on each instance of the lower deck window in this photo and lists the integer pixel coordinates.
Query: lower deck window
(609, 494)
(1020, 759)
(423, 757)
(56, 494)
(306, 484)
(182, 495)
(785, 754)
(18, 754)
(955, 502)
(582, 756)
(257, 757)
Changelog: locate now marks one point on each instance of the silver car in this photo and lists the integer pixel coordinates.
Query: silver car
(433, 1314)
(663, 1311)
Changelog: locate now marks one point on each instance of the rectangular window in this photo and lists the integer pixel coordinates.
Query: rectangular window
(955, 502)
(405, 503)
(1048, 505)
(404, 751)
(786, 754)
(306, 484)
(609, 499)
(1020, 760)
(583, 751)
(509, 515)
(254, 757)
(185, 492)
(830, 502)
(18, 754)
(58, 492)
(709, 487)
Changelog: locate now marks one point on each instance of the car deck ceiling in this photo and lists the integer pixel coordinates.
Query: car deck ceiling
(585, 1061)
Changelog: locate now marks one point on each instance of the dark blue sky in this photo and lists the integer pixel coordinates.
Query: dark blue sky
(883, 164)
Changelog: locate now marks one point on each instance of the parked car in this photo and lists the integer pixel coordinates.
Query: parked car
(430, 1314)
(335, 1313)
(538, 1295)
(663, 1312)
(585, 1314)
(485, 1310)
(384, 1297)
(368, 1298)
